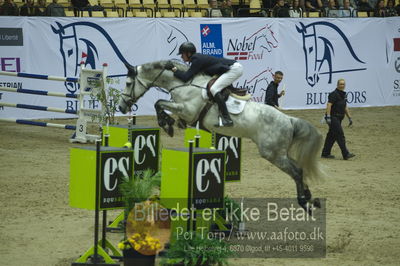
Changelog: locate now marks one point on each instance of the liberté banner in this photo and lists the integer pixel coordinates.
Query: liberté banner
(313, 53)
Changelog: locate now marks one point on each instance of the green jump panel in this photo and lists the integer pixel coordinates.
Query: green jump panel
(206, 138)
(231, 145)
(196, 182)
(114, 165)
(145, 143)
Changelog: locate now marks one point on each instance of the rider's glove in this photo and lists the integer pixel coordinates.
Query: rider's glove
(169, 65)
(328, 119)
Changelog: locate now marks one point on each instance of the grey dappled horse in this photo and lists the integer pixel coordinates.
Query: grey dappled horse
(291, 144)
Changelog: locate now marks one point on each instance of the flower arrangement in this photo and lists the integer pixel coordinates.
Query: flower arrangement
(144, 233)
(142, 243)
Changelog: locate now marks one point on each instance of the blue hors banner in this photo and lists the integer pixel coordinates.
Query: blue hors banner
(312, 53)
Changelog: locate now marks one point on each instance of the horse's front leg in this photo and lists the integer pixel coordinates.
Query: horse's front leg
(165, 120)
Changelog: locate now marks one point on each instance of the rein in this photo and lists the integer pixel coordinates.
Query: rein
(135, 78)
(186, 84)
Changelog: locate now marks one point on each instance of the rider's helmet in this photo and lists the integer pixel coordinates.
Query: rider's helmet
(187, 47)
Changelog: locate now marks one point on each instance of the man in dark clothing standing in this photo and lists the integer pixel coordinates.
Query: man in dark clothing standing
(229, 71)
(336, 109)
(271, 95)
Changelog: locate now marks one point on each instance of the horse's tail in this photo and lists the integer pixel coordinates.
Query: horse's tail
(305, 150)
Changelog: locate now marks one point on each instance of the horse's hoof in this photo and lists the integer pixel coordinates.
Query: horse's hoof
(170, 121)
(304, 204)
(170, 131)
(161, 122)
(308, 208)
(181, 124)
(307, 194)
(317, 203)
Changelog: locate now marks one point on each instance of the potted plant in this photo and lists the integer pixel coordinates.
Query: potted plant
(197, 249)
(145, 235)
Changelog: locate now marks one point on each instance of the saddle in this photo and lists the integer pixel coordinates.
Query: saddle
(230, 90)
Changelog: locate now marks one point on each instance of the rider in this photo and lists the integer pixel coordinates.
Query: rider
(229, 71)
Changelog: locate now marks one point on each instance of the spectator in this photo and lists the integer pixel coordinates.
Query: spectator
(390, 9)
(347, 10)
(227, 10)
(8, 8)
(280, 10)
(363, 5)
(340, 4)
(79, 5)
(380, 10)
(397, 9)
(28, 9)
(40, 8)
(295, 11)
(325, 5)
(268, 4)
(372, 3)
(331, 11)
(313, 5)
(55, 10)
(213, 10)
(302, 4)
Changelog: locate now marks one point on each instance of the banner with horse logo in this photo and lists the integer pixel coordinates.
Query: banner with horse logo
(319, 52)
(312, 53)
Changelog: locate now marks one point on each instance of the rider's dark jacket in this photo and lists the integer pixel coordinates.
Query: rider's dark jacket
(204, 63)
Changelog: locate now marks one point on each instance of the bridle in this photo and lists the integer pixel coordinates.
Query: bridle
(133, 74)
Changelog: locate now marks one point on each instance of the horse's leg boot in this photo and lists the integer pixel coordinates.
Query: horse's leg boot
(225, 118)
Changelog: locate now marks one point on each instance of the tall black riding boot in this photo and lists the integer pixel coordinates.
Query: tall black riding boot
(226, 119)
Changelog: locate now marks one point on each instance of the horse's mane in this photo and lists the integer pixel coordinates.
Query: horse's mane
(161, 64)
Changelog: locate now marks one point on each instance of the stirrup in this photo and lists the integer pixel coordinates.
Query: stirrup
(228, 123)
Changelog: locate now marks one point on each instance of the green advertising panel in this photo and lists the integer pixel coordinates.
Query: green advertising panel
(114, 165)
(231, 145)
(145, 143)
(192, 182)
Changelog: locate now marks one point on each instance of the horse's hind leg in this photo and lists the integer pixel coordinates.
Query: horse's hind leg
(288, 166)
(307, 193)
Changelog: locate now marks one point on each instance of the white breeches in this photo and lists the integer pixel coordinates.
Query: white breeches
(226, 79)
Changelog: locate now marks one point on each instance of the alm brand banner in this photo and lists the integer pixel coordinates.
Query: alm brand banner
(211, 40)
(312, 53)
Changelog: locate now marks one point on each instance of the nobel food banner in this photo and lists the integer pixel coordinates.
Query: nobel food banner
(312, 53)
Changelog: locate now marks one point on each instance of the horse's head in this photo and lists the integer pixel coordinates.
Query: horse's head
(130, 94)
(310, 53)
(139, 79)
